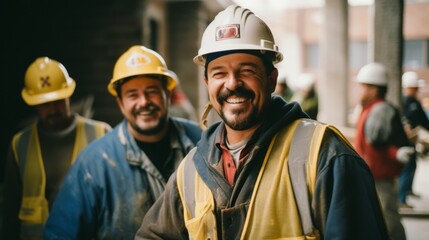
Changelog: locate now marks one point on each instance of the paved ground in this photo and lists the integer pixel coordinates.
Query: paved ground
(416, 222)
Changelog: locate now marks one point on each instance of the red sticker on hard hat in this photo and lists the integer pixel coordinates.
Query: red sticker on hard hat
(228, 31)
(137, 59)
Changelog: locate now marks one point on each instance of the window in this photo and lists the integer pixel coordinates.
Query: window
(414, 51)
(358, 54)
(312, 57)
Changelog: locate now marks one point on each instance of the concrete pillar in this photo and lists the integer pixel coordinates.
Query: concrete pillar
(332, 86)
(385, 44)
(187, 22)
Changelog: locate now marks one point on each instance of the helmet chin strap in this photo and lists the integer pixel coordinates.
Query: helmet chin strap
(203, 119)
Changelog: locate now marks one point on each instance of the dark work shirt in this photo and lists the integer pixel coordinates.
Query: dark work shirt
(160, 153)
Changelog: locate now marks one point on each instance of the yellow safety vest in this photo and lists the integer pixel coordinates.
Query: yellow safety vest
(274, 211)
(34, 207)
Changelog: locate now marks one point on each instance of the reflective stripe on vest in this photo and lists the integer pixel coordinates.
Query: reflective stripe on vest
(273, 199)
(26, 147)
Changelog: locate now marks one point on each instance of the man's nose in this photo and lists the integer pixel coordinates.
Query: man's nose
(232, 83)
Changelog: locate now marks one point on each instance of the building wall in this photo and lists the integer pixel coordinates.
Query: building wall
(184, 28)
(88, 37)
(305, 24)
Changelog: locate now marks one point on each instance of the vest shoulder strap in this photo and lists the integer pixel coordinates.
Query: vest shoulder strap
(301, 144)
(303, 167)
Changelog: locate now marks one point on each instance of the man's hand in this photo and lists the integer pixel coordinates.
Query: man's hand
(405, 154)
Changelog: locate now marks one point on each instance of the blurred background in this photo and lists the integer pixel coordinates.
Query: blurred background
(329, 39)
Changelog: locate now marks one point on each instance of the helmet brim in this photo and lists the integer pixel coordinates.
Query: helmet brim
(36, 99)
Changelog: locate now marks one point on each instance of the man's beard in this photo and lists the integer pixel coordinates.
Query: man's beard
(56, 121)
(244, 123)
(162, 121)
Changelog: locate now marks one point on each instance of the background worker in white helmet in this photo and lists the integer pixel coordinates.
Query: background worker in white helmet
(236, 183)
(117, 178)
(381, 140)
(414, 118)
(283, 89)
(306, 95)
(41, 154)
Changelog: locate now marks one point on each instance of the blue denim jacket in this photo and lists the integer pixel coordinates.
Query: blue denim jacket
(112, 185)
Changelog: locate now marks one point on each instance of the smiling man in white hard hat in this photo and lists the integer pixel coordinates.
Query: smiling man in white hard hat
(247, 177)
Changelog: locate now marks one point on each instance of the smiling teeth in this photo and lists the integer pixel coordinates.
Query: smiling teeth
(144, 112)
(236, 100)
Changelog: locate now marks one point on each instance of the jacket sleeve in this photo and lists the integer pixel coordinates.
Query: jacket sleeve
(72, 214)
(415, 114)
(165, 218)
(345, 202)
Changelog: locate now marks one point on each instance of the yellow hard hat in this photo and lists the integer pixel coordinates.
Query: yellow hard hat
(139, 60)
(46, 80)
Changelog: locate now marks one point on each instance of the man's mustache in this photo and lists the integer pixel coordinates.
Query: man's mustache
(239, 92)
(147, 108)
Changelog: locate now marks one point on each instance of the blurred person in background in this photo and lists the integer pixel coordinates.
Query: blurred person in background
(425, 105)
(414, 119)
(283, 89)
(41, 154)
(117, 178)
(180, 104)
(306, 95)
(382, 142)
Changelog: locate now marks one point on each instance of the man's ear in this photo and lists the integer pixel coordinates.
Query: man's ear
(272, 78)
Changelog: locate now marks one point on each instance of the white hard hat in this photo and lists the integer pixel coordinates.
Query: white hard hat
(237, 28)
(411, 79)
(374, 74)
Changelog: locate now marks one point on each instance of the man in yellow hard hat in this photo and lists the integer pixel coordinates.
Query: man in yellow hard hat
(41, 154)
(266, 171)
(115, 180)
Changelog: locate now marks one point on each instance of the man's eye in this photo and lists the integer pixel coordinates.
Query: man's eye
(218, 75)
(247, 71)
(152, 92)
(131, 95)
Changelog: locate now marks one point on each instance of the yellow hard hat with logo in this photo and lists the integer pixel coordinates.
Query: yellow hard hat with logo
(139, 60)
(46, 80)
